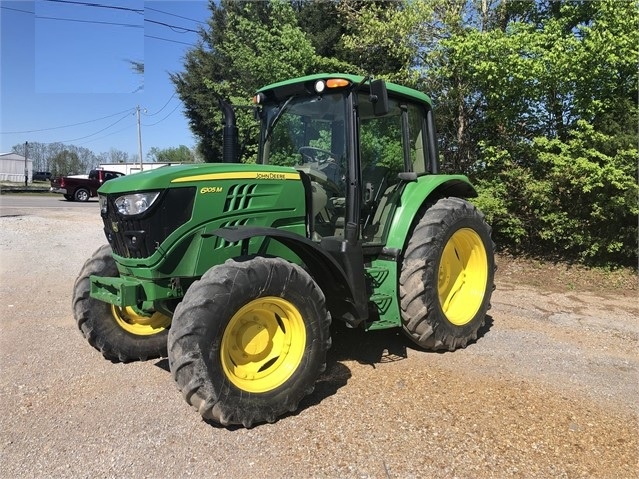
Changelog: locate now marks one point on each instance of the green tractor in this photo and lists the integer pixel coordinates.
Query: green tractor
(235, 271)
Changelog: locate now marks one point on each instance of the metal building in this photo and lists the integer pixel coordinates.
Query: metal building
(14, 167)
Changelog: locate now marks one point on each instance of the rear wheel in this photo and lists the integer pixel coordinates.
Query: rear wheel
(120, 334)
(249, 340)
(81, 194)
(447, 276)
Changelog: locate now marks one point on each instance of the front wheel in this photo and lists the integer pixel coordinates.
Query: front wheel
(249, 340)
(120, 334)
(447, 276)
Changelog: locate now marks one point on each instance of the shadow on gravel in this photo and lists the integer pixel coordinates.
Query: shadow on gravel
(369, 348)
(365, 347)
(488, 324)
(163, 364)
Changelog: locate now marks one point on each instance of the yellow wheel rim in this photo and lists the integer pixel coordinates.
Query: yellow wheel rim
(140, 324)
(463, 273)
(263, 344)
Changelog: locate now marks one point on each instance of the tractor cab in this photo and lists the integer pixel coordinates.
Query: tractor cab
(354, 141)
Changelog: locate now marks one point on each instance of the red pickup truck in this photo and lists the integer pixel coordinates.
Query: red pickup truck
(81, 188)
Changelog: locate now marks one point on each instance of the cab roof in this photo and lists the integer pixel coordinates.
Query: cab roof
(305, 85)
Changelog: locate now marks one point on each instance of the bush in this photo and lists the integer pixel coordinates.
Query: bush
(572, 200)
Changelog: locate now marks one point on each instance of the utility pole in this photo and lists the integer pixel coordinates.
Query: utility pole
(26, 170)
(137, 110)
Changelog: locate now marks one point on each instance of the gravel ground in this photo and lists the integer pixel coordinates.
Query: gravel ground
(550, 390)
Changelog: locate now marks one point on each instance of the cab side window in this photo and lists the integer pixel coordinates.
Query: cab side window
(416, 136)
(388, 144)
(380, 138)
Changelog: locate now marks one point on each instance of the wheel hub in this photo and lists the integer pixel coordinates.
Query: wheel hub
(139, 323)
(463, 273)
(253, 338)
(263, 344)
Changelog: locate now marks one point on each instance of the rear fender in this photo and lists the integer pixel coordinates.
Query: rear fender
(416, 194)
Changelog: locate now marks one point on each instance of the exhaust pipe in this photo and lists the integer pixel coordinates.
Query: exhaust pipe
(230, 134)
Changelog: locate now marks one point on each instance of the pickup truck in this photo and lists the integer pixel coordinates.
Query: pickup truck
(81, 188)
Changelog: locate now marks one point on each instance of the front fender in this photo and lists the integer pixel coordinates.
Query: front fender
(324, 268)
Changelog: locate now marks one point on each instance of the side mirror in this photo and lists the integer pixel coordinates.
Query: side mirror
(379, 97)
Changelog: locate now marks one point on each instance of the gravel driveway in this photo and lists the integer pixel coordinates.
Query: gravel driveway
(550, 390)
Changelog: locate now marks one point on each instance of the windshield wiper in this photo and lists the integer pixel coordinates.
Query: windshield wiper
(276, 118)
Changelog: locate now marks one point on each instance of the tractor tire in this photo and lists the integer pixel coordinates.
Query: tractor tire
(81, 194)
(120, 334)
(249, 340)
(447, 276)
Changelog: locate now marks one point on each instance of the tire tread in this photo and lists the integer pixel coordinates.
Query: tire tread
(222, 284)
(418, 277)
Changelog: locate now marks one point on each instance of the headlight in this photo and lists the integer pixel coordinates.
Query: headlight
(103, 204)
(135, 203)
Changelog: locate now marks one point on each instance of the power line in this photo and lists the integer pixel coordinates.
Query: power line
(15, 9)
(167, 40)
(175, 28)
(106, 136)
(97, 5)
(90, 21)
(174, 15)
(72, 19)
(128, 110)
(99, 131)
(167, 102)
(160, 121)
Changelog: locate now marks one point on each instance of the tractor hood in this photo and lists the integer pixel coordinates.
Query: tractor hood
(182, 175)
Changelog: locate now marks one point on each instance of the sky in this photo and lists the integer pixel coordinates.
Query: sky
(66, 76)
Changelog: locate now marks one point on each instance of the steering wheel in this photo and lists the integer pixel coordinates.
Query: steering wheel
(311, 154)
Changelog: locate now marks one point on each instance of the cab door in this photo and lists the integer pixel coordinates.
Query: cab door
(388, 145)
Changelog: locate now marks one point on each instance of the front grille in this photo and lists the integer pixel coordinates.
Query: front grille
(140, 236)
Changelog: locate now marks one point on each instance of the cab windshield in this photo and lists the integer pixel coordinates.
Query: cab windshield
(308, 133)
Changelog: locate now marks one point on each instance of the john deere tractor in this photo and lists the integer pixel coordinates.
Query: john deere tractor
(235, 271)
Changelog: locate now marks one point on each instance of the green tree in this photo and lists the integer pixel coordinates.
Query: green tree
(537, 101)
(575, 201)
(383, 37)
(557, 165)
(181, 154)
(43, 155)
(425, 38)
(247, 45)
(329, 25)
(115, 156)
(66, 163)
